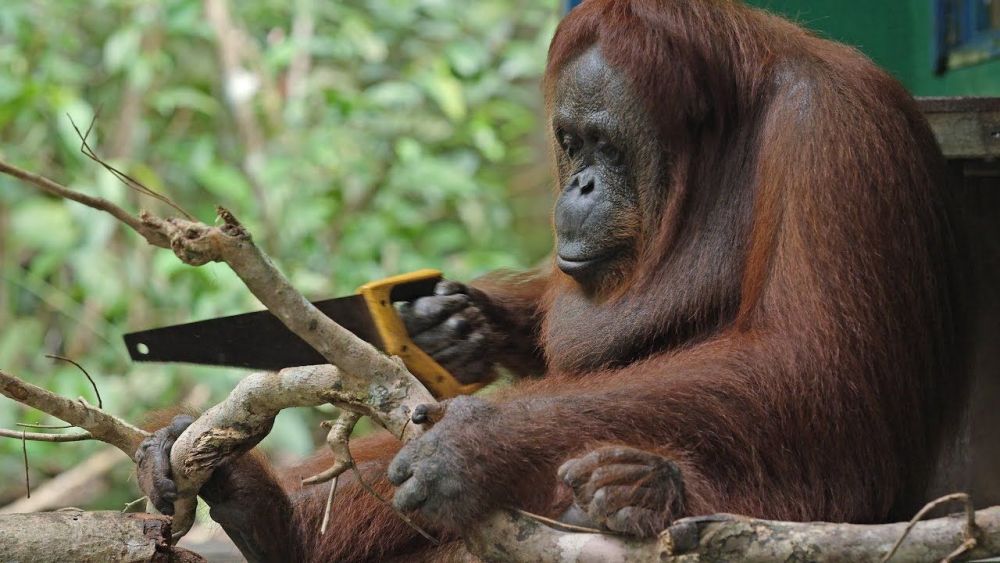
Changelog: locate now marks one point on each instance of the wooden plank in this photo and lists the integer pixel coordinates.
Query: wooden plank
(967, 128)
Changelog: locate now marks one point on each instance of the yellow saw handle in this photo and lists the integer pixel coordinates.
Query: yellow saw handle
(396, 341)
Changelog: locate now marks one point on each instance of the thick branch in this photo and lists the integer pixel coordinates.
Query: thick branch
(511, 536)
(371, 382)
(243, 418)
(74, 535)
(247, 413)
(508, 536)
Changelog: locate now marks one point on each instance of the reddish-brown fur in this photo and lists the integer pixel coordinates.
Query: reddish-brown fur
(786, 333)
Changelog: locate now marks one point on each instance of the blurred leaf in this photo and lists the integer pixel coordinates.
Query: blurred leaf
(395, 95)
(488, 142)
(44, 224)
(226, 183)
(369, 45)
(120, 47)
(167, 101)
(467, 58)
(23, 334)
(446, 90)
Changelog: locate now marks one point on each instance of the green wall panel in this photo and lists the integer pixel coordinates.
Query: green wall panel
(896, 34)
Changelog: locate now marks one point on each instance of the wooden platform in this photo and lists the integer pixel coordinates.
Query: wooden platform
(966, 128)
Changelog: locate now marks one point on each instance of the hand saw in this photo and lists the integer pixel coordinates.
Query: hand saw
(260, 341)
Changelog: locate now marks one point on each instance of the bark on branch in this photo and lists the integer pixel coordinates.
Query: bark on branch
(75, 535)
(510, 536)
(101, 425)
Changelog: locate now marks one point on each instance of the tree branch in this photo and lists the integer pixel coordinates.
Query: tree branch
(74, 535)
(101, 425)
(509, 536)
(54, 188)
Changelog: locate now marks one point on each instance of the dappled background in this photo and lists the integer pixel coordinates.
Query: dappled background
(356, 139)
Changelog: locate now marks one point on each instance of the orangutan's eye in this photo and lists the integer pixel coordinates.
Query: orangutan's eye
(570, 143)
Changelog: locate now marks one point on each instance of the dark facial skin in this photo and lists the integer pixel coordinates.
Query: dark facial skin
(602, 153)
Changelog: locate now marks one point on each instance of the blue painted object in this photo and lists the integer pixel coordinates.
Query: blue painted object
(968, 32)
(570, 4)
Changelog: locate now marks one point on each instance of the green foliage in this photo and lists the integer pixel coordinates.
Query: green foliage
(397, 134)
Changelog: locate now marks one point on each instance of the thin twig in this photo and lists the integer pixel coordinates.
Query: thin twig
(43, 426)
(337, 438)
(562, 526)
(132, 504)
(122, 177)
(99, 424)
(53, 188)
(43, 437)
(27, 476)
(968, 544)
(403, 517)
(71, 486)
(971, 532)
(329, 504)
(970, 524)
(100, 403)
